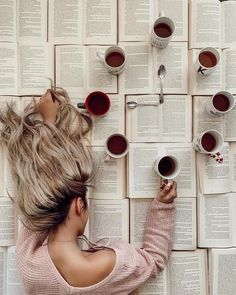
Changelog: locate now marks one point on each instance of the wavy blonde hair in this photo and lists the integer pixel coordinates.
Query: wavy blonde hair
(50, 163)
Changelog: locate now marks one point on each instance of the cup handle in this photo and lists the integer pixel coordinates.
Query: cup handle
(162, 13)
(107, 158)
(81, 105)
(100, 55)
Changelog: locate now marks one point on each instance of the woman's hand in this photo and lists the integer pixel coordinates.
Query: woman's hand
(168, 192)
(48, 107)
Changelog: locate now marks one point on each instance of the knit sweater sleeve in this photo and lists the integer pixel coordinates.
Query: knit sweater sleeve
(138, 265)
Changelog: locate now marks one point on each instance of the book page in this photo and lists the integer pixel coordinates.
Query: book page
(214, 221)
(65, 21)
(155, 124)
(205, 23)
(136, 19)
(114, 211)
(32, 20)
(109, 181)
(185, 226)
(154, 286)
(214, 176)
(185, 229)
(137, 76)
(144, 182)
(228, 14)
(203, 121)
(176, 79)
(223, 271)
(70, 68)
(13, 284)
(229, 122)
(35, 65)
(3, 259)
(113, 122)
(187, 273)
(8, 21)
(7, 220)
(178, 11)
(97, 76)
(100, 19)
(229, 68)
(9, 69)
(233, 166)
(207, 85)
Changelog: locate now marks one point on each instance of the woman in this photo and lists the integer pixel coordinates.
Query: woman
(52, 167)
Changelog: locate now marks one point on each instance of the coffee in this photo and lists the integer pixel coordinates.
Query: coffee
(117, 144)
(115, 59)
(207, 59)
(208, 142)
(162, 30)
(98, 103)
(221, 102)
(166, 166)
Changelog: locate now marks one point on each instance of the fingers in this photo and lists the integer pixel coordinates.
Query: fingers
(168, 192)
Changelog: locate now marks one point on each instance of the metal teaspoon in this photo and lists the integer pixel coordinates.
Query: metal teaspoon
(134, 104)
(161, 74)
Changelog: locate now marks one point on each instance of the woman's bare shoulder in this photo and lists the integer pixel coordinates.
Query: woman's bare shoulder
(95, 268)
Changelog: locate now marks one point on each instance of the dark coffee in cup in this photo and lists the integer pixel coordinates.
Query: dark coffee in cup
(97, 103)
(207, 59)
(208, 142)
(163, 30)
(166, 166)
(115, 59)
(221, 102)
(117, 144)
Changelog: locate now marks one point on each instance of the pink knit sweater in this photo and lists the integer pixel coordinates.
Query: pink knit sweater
(132, 268)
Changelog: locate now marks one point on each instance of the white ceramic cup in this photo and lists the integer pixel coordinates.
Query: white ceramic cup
(172, 164)
(214, 109)
(204, 69)
(200, 144)
(114, 70)
(158, 41)
(113, 146)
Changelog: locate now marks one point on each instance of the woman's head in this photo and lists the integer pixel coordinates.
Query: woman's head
(51, 164)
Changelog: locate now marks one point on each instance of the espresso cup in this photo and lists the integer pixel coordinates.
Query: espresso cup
(220, 103)
(168, 167)
(114, 59)
(97, 103)
(116, 146)
(207, 60)
(162, 31)
(209, 142)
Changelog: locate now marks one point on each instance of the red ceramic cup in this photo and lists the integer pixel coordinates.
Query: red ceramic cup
(97, 103)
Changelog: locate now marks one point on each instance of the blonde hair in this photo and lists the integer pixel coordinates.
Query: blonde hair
(50, 164)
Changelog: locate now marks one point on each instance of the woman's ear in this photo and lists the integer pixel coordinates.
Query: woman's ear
(78, 206)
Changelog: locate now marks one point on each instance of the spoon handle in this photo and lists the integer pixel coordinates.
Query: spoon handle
(161, 99)
(148, 104)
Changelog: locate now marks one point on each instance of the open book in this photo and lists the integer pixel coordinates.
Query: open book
(144, 182)
(109, 219)
(185, 229)
(79, 70)
(216, 220)
(10, 282)
(222, 268)
(212, 23)
(24, 68)
(136, 18)
(109, 182)
(23, 20)
(222, 78)
(155, 123)
(214, 177)
(185, 272)
(143, 61)
(81, 22)
(203, 121)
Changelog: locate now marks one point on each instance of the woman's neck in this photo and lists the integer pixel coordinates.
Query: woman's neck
(64, 234)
